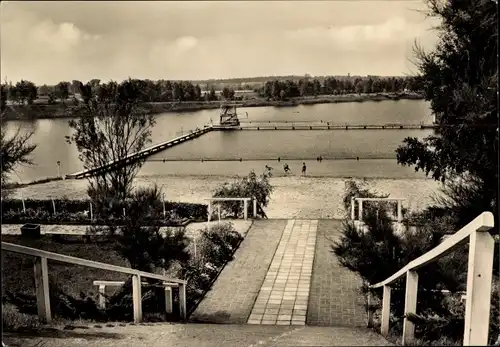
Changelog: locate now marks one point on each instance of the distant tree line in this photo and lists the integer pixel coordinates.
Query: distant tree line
(281, 89)
(26, 92)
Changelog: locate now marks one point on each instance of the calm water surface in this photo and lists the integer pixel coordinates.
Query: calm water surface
(256, 148)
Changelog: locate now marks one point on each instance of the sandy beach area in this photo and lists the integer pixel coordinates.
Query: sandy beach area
(293, 197)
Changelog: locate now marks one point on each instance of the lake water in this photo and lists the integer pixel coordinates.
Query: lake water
(375, 148)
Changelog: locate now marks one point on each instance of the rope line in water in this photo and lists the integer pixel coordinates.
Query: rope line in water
(266, 159)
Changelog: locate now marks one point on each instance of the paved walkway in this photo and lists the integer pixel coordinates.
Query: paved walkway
(335, 299)
(200, 335)
(232, 297)
(192, 229)
(283, 297)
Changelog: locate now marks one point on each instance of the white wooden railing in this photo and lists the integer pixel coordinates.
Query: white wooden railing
(479, 280)
(42, 279)
(360, 207)
(245, 205)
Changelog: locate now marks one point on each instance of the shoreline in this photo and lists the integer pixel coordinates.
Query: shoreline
(43, 111)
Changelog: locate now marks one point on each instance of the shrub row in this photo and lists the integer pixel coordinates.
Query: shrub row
(77, 211)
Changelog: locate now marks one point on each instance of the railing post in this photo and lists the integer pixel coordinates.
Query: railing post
(42, 289)
(182, 301)
(400, 211)
(168, 300)
(479, 278)
(410, 305)
(370, 312)
(102, 297)
(245, 209)
(137, 298)
(353, 214)
(386, 310)
(360, 210)
(254, 207)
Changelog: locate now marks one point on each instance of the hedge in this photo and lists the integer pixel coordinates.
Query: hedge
(73, 212)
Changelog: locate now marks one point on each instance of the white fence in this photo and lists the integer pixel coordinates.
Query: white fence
(245, 205)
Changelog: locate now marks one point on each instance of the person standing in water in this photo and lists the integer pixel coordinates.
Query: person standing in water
(304, 168)
(286, 168)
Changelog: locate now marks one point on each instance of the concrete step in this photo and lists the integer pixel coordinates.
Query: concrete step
(200, 335)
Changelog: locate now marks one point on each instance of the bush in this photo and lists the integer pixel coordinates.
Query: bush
(251, 186)
(378, 252)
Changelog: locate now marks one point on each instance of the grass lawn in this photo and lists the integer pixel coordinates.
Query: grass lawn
(17, 269)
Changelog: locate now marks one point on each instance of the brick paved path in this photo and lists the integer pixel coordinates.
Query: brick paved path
(334, 299)
(284, 294)
(232, 297)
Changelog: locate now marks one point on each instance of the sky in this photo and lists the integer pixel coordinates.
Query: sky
(47, 42)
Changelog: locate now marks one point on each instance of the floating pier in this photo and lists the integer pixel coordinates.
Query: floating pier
(322, 126)
(140, 155)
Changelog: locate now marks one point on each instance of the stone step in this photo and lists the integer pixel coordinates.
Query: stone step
(199, 335)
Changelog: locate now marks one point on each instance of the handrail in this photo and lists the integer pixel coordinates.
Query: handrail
(42, 279)
(11, 247)
(483, 222)
(479, 280)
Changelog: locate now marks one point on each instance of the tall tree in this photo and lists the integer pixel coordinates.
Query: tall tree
(111, 126)
(62, 91)
(459, 78)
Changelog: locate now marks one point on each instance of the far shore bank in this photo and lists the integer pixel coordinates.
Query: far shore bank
(40, 111)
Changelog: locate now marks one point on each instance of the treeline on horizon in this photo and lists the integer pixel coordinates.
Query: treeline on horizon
(26, 92)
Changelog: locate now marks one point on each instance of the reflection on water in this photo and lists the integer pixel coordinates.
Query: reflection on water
(52, 146)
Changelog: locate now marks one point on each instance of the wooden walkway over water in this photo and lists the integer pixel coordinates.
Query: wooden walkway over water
(139, 155)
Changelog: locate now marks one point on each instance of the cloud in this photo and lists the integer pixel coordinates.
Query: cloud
(186, 43)
(54, 41)
(392, 31)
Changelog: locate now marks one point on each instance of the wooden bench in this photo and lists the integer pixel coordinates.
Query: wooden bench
(167, 285)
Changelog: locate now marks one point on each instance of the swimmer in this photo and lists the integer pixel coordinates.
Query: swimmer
(304, 168)
(286, 168)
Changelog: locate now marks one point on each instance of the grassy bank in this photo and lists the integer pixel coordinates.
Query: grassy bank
(40, 111)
